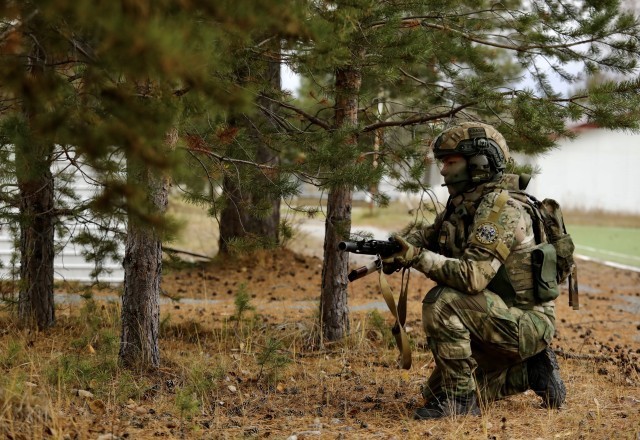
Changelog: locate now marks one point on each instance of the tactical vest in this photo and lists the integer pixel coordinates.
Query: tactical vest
(515, 280)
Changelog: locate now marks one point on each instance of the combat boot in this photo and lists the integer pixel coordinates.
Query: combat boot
(544, 378)
(444, 406)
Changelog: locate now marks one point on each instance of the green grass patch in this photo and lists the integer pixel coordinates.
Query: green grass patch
(620, 245)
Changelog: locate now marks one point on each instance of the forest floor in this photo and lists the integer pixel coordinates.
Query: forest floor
(241, 358)
(229, 371)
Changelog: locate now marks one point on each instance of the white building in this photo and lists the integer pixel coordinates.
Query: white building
(596, 171)
(69, 264)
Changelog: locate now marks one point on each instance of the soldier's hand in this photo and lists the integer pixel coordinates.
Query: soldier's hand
(403, 258)
(389, 266)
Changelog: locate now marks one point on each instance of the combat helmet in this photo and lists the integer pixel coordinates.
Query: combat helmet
(482, 145)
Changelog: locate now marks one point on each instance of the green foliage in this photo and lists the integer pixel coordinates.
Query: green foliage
(287, 232)
(97, 316)
(12, 355)
(187, 403)
(114, 84)
(80, 371)
(93, 362)
(128, 386)
(202, 379)
(379, 324)
(244, 245)
(272, 360)
(242, 302)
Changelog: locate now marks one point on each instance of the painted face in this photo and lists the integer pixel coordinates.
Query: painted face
(455, 173)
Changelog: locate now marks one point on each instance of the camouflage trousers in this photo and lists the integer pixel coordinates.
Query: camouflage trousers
(478, 342)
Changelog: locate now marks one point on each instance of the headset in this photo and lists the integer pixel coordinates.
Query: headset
(484, 158)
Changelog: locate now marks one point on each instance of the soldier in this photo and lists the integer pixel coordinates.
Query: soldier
(487, 329)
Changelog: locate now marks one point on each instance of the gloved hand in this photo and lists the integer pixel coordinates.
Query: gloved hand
(389, 266)
(403, 258)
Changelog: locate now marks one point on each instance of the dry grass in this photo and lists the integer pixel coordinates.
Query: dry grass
(224, 377)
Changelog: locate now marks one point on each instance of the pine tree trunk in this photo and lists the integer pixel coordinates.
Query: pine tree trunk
(334, 311)
(142, 275)
(35, 184)
(36, 191)
(236, 220)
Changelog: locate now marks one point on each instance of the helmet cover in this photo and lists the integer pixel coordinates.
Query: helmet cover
(470, 139)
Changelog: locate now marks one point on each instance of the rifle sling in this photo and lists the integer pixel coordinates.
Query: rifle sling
(573, 289)
(399, 312)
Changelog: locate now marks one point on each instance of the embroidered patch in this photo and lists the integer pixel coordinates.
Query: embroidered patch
(487, 233)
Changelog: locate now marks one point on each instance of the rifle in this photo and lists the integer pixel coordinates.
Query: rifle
(381, 248)
(384, 249)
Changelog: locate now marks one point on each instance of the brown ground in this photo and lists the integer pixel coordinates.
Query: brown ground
(365, 390)
(212, 383)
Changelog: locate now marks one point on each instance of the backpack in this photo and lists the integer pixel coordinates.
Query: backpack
(549, 227)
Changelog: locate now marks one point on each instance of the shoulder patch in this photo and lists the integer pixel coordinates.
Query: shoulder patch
(487, 233)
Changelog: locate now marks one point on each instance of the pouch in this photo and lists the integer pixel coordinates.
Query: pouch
(545, 285)
(564, 250)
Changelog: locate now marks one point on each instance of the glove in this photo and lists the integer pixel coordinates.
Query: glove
(389, 266)
(403, 258)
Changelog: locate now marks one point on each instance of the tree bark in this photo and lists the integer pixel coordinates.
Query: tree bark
(142, 276)
(334, 311)
(35, 184)
(236, 219)
(36, 191)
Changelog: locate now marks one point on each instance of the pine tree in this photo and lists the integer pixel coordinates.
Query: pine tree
(129, 73)
(35, 99)
(437, 62)
(251, 213)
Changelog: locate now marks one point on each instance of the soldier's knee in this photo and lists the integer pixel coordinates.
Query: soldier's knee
(440, 294)
(436, 310)
(438, 299)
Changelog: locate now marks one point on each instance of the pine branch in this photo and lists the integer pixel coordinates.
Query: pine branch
(280, 121)
(516, 48)
(75, 44)
(204, 168)
(18, 24)
(71, 212)
(418, 119)
(305, 177)
(415, 20)
(180, 251)
(309, 117)
(222, 158)
(6, 198)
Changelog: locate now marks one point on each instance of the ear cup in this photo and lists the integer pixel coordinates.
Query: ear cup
(479, 168)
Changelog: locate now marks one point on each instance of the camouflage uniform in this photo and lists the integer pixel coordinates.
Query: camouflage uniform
(481, 330)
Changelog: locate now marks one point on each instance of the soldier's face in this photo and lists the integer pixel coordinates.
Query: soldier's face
(455, 173)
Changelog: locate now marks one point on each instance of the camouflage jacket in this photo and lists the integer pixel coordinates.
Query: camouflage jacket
(478, 233)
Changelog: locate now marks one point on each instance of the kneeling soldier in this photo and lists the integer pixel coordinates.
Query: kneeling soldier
(487, 328)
